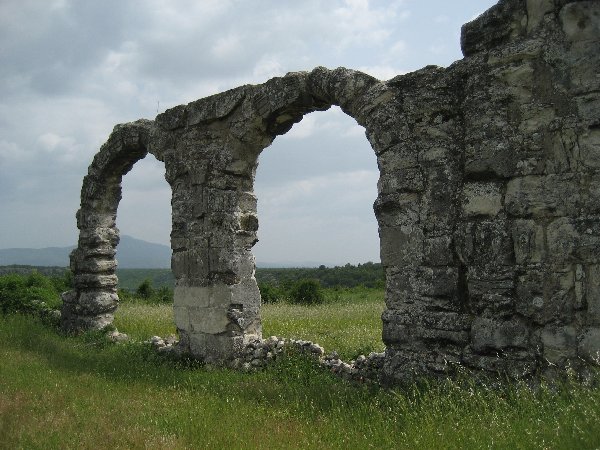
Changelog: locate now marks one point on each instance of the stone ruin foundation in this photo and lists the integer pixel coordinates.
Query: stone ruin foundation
(488, 200)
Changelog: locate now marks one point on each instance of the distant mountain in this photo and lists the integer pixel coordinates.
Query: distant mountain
(131, 253)
(135, 253)
(49, 256)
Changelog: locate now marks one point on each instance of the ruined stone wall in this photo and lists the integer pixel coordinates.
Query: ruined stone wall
(488, 199)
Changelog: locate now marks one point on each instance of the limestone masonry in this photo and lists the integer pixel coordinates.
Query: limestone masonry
(488, 204)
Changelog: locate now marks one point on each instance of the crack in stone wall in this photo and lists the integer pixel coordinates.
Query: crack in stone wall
(488, 199)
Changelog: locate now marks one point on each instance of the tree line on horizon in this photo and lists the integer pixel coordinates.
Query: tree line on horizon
(370, 275)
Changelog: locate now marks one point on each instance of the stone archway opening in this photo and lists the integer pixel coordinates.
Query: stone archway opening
(319, 179)
(144, 220)
(315, 187)
(145, 207)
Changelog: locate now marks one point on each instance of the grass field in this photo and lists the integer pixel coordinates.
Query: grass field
(349, 321)
(82, 392)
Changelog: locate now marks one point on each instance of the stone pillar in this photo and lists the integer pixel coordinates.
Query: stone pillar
(216, 301)
(93, 300)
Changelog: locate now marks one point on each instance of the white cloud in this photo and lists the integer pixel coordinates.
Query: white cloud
(335, 122)
(438, 48)
(305, 128)
(62, 148)
(382, 72)
(269, 66)
(10, 152)
(345, 186)
(227, 47)
(363, 22)
(398, 49)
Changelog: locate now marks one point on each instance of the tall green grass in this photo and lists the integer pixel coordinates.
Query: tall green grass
(58, 392)
(62, 392)
(349, 322)
(140, 320)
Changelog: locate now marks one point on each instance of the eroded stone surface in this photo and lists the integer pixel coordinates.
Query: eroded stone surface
(488, 204)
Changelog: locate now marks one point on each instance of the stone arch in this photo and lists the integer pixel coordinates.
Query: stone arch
(218, 142)
(92, 302)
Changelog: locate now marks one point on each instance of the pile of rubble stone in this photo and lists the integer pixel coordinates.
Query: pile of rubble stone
(259, 353)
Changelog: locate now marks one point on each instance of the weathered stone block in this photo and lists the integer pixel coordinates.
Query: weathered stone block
(397, 210)
(220, 261)
(438, 251)
(537, 10)
(417, 315)
(562, 151)
(401, 246)
(536, 120)
(403, 334)
(589, 147)
(495, 335)
(96, 302)
(562, 239)
(398, 158)
(406, 286)
(403, 364)
(217, 294)
(518, 77)
(560, 343)
(74, 322)
(484, 243)
(91, 281)
(210, 320)
(587, 107)
(399, 288)
(244, 263)
(515, 364)
(90, 263)
(591, 195)
(405, 180)
(246, 293)
(437, 281)
(221, 200)
(581, 20)
(437, 209)
(98, 237)
(499, 304)
(481, 199)
(528, 240)
(190, 263)
(579, 287)
(589, 346)
(542, 196)
(592, 295)
(546, 297)
(495, 28)
(497, 280)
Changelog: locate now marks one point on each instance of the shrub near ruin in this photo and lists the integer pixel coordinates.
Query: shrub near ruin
(33, 293)
(306, 292)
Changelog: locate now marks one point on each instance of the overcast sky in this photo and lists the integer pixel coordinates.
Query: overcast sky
(72, 69)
